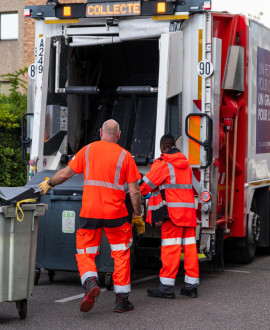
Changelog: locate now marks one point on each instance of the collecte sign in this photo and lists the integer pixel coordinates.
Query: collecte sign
(128, 8)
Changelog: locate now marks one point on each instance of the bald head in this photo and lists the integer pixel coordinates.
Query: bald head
(110, 131)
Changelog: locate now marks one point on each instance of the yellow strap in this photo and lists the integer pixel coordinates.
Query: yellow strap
(18, 206)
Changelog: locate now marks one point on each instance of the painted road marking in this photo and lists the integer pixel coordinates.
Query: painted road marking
(236, 271)
(79, 296)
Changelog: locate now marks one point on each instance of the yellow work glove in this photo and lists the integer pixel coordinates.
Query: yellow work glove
(139, 223)
(44, 186)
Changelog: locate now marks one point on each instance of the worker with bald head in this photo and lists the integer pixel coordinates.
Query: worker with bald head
(106, 167)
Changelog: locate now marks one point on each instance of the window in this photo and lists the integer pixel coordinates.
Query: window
(9, 26)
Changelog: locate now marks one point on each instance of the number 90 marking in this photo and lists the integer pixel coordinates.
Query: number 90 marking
(205, 68)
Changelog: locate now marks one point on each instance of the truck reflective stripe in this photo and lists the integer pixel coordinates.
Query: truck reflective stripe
(156, 207)
(87, 160)
(92, 249)
(88, 274)
(187, 205)
(147, 181)
(172, 173)
(171, 241)
(189, 240)
(167, 280)
(192, 280)
(104, 184)
(175, 186)
(122, 288)
(119, 247)
(119, 166)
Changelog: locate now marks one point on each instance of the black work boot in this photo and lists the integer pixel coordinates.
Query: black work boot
(92, 290)
(192, 293)
(122, 304)
(160, 294)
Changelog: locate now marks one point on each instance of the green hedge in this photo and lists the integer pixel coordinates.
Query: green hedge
(12, 107)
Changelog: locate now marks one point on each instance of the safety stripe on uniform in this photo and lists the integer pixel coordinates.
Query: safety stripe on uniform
(192, 280)
(119, 166)
(156, 207)
(87, 160)
(80, 251)
(179, 204)
(189, 240)
(175, 186)
(122, 288)
(167, 280)
(147, 181)
(119, 247)
(171, 241)
(172, 173)
(92, 249)
(88, 274)
(104, 184)
(155, 193)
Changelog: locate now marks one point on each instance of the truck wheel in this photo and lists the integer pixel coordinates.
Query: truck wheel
(22, 308)
(247, 252)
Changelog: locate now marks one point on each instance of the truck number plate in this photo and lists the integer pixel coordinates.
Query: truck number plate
(128, 8)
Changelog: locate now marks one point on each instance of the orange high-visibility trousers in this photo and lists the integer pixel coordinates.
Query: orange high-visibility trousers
(88, 244)
(172, 238)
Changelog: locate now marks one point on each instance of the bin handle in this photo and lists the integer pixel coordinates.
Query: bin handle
(18, 207)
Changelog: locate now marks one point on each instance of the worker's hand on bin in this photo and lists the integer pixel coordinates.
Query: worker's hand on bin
(138, 222)
(44, 186)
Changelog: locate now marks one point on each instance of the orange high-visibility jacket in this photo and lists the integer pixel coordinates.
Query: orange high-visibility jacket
(106, 167)
(170, 181)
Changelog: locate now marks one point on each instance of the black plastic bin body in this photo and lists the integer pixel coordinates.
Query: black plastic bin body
(56, 245)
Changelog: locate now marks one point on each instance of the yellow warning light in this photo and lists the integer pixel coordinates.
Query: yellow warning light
(67, 11)
(161, 7)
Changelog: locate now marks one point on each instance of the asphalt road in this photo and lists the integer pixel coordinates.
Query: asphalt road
(237, 298)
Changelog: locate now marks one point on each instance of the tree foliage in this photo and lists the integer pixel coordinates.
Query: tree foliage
(12, 107)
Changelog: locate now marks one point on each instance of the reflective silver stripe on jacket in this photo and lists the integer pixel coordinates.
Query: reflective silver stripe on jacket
(156, 207)
(122, 288)
(155, 193)
(87, 160)
(192, 280)
(171, 241)
(172, 173)
(179, 204)
(119, 166)
(189, 240)
(105, 184)
(175, 186)
(167, 280)
(88, 274)
(147, 181)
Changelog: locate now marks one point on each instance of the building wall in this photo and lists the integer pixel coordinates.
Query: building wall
(29, 30)
(11, 51)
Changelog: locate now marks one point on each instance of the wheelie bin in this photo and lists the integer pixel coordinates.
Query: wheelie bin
(18, 241)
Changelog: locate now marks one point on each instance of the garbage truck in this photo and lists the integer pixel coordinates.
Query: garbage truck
(156, 67)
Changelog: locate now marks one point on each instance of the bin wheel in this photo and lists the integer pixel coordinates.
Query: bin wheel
(108, 281)
(22, 308)
(51, 274)
(37, 276)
